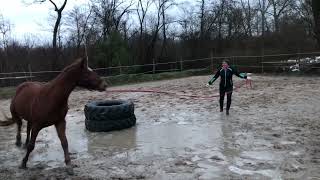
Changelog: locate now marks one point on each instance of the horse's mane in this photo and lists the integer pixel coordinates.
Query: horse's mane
(73, 65)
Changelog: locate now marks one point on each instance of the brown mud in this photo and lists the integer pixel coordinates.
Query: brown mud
(272, 133)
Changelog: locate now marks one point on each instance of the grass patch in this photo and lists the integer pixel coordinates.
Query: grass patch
(7, 92)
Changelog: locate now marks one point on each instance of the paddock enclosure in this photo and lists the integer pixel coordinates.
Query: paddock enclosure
(272, 133)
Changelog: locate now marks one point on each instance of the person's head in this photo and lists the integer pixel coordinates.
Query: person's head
(225, 63)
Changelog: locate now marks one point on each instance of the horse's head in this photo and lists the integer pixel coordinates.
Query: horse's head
(90, 79)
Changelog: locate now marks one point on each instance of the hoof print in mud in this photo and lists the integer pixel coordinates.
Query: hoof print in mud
(104, 116)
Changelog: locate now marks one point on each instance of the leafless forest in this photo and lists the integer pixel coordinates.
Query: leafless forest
(119, 32)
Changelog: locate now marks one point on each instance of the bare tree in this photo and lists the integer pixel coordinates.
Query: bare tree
(5, 29)
(165, 22)
(157, 26)
(188, 21)
(110, 13)
(263, 7)
(249, 14)
(278, 8)
(58, 20)
(316, 16)
(202, 18)
(142, 10)
(221, 19)
(304, 11)
(77, 22)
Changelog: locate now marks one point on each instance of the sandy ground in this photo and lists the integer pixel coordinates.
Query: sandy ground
(272, 133)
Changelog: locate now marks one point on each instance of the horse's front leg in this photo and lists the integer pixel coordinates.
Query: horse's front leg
(61, 130)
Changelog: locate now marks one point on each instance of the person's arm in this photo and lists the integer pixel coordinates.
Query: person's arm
(240, 75)
(214, 77)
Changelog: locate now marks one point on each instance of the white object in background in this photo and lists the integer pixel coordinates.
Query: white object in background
(249, 78)
(249, 74)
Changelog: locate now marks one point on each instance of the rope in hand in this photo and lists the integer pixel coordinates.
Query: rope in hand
(247, 82)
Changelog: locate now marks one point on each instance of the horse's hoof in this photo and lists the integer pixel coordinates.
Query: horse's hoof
(70, 170)
(25, 146)
(23, 166)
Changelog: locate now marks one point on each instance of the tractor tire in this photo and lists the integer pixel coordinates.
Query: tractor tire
(109, 115)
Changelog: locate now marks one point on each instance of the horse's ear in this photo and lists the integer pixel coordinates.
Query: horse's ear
(84, 62)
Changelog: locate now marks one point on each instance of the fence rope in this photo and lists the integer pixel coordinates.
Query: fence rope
(172, 62)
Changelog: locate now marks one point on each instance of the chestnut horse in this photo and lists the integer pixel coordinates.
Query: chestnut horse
(43, 105)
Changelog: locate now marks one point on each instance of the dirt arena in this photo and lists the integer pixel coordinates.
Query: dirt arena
(272, 133)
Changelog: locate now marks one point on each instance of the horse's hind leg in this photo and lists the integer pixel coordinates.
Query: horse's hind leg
(28, 134)
(18, 120)
(19, 124)
(31, 144)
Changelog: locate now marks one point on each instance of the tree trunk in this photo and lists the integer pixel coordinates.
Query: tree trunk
(202, 20)
(263, 17)
(316, 15)
(164, 32)
(249, 19)
(55, 30)
(276, 24)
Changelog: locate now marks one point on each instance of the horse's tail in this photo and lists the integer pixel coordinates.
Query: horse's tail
(8, 120)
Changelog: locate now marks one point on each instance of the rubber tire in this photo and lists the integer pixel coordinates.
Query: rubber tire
(105, 126)
(109, 110)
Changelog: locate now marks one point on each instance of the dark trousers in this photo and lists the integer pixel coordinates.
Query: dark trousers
(224, 91)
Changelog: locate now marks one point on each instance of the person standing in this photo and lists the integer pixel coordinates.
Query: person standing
(226, 83)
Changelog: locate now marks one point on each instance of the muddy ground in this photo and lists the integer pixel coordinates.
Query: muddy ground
(272, 133)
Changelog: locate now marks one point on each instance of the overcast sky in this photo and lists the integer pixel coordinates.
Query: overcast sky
(31, 18)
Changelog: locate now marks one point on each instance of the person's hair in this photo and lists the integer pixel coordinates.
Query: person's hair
(226, 61)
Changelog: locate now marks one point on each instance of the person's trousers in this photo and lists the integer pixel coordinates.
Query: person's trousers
(223, 92)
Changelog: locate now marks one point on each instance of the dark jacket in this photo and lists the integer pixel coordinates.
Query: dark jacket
(226, 77)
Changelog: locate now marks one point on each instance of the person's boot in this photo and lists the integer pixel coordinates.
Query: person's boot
(221, 109)
(227, 112)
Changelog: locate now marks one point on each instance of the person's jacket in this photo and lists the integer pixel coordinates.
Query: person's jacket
(226, 77)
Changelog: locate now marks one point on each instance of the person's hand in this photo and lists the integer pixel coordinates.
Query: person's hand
(249, 78)
(207, 85)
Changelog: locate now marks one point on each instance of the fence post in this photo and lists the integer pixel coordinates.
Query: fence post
(153, 66)
(262, 60)
(211, 61)
(233, 62)
(120, 69)
(30, 71)
(181, 64)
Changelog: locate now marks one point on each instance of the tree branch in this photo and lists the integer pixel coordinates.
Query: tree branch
(55, 6)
